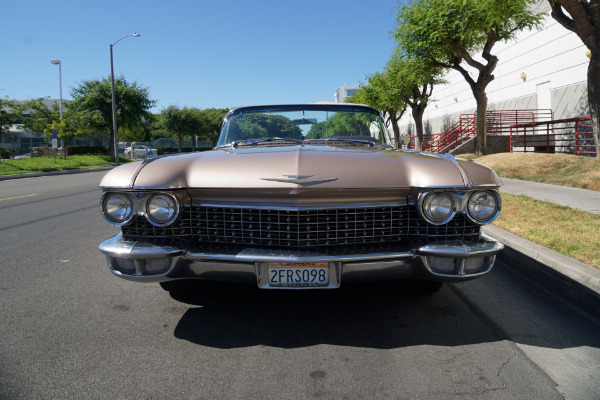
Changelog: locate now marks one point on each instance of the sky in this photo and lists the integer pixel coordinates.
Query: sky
(203, 54)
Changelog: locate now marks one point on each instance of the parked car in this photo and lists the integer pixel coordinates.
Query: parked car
(301, 196)
(140, 151)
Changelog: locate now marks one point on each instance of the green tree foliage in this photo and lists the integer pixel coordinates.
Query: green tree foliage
(9, 114)
(342, 124)
(449, 34)
(37, 116)
(258, 126)
(212, 120)
(414, 79)
(182, 122)
(92, 101)
(382, 93)
(583, 18)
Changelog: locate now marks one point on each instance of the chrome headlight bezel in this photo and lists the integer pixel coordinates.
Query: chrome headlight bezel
(106, 197)
(425, 207)
(173, 205)
(495, 209)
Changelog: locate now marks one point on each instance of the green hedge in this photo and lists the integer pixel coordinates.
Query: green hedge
(7, 153)
(174, 150)
(78, 150)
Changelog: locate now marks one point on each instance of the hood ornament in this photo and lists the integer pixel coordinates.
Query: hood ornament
(299, 179)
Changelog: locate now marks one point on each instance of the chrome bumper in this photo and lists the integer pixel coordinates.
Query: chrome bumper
(145, 262)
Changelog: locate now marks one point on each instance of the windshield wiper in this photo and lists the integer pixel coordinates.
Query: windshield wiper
(252, 142)
(335, 139)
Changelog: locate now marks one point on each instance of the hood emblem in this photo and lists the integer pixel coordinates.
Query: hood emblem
(299, 179)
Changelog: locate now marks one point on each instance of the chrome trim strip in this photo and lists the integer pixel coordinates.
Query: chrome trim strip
(157, 187)
(487, 246)
(183, 264)
(250, 256)
(299, 208)
(117, 247)
(113, 187)
(299, 180)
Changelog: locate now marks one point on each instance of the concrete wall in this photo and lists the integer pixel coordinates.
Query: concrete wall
(494, 144)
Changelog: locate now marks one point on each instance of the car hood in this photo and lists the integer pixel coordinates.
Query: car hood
(301, 166)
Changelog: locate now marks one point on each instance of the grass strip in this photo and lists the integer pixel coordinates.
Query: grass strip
(47, 164)
(573, 233)
(556, 169)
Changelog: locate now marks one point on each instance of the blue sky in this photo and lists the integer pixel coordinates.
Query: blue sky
(197, 53)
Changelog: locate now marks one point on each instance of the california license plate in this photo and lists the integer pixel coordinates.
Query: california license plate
(298, 274)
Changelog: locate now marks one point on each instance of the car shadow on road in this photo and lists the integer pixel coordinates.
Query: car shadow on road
(382, 316)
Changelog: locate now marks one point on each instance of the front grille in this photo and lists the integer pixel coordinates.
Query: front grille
(216, 227)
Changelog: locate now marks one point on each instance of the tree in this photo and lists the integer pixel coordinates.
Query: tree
(446, 33)
(259, 126)
(212, 120)
(182, 122)
(382, 93)
(37, 116)
(414, 80)
(8, 115)
(584, 20)
(92, 99)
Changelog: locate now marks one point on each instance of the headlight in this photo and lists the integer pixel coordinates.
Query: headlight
(438, 207)
(161, 209)
(483, 206)
(117, 208)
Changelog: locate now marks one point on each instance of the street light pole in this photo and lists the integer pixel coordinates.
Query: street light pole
(54, 61)
(114, 104)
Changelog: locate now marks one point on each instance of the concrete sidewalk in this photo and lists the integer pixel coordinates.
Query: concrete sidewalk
(580, 199)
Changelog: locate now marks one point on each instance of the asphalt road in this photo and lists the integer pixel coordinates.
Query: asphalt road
(70, 330)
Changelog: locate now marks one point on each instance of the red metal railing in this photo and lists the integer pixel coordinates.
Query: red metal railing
(498, 123)
(571, 136)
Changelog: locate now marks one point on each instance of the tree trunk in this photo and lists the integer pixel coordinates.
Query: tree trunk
(180, 143)
(594, 96)
(417, 113)
(193, 142)
(481, 136)
(396, 130)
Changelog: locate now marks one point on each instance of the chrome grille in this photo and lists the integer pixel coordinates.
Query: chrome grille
(212, 227)
(300, 228)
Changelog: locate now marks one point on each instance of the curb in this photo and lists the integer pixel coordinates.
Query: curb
(571, 280)
(49, 173)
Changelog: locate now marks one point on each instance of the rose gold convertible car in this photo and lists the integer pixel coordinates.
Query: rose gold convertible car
(301, 196)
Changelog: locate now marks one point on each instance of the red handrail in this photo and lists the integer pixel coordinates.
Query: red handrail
(570, 136)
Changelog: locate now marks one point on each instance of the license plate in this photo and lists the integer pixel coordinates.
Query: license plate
(301, 274)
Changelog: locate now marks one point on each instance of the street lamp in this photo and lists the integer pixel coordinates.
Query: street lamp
(114, 104)
(55, 62)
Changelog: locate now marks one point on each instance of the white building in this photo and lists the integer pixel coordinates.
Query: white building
(545, 69)
(342, 93)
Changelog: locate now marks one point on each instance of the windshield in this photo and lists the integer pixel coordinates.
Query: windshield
(311, 124)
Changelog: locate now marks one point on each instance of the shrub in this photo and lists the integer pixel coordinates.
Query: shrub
(78, 150)
(7, 153)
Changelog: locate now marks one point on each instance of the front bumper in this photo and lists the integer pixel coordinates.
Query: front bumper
(443, 261)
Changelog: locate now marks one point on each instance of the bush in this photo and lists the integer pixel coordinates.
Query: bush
(174, 150)
(7, 153)
(79, 150)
